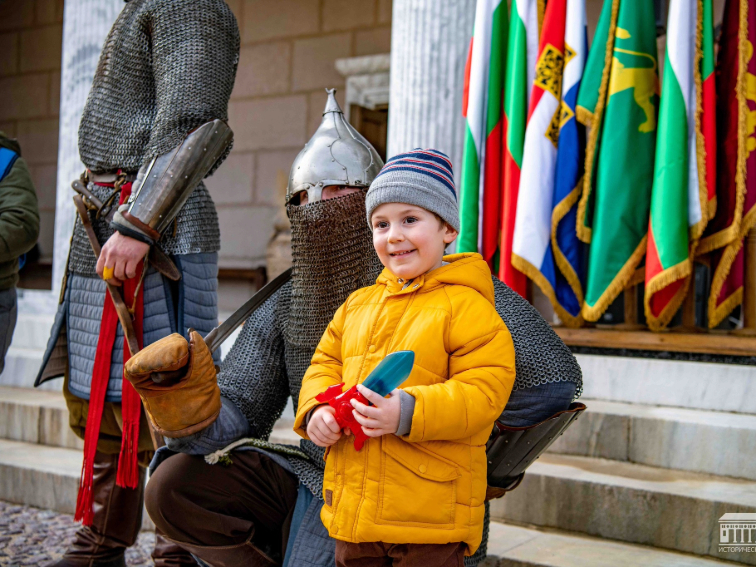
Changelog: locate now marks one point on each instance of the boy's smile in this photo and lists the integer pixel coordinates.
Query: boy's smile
(409, 240)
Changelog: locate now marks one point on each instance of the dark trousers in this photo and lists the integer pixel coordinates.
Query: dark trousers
(8, 313)
(214, 505)
(399, 555)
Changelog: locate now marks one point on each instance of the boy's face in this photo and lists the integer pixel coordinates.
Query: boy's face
(409, 240)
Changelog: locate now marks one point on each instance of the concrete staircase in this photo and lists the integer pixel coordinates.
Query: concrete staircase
(641, 478)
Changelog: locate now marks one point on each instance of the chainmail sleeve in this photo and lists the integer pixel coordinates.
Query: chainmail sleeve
(253, 374)
(195, 53)
(541, 357)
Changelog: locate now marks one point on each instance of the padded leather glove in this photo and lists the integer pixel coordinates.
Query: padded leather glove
(177, 382)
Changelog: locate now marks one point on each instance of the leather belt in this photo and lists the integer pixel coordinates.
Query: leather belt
(109, 177)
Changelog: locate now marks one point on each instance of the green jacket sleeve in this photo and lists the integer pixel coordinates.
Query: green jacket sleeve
(19, 214)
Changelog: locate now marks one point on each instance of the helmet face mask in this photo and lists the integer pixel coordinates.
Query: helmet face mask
(319, 193)
(336, 155)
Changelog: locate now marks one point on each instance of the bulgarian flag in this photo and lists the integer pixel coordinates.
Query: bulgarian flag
(736, 160)
(480, 194)
(522, 54)
(618, 98)
(531, 245)
(680, 198)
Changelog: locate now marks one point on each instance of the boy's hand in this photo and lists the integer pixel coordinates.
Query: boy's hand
(380, 418)
(322, 428)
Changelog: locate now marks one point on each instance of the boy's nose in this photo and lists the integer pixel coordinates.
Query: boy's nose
(395, 235)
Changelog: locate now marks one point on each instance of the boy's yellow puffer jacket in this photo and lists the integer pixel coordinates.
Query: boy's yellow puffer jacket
(428, 486)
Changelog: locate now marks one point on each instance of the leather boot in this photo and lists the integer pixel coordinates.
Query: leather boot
(116, 523)
(230, 555)
(169, 554)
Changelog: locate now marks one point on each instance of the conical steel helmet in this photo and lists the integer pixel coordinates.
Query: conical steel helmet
(336, 155)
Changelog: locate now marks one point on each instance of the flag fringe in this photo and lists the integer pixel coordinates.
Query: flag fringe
(540, 280)
(660, 281)
(618, 284)
(560, 211)
(584, 232)
(584, 116)
(703, 192)
(722, 271)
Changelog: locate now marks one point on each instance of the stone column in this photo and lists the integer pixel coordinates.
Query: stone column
(86, 23)
(429, 43)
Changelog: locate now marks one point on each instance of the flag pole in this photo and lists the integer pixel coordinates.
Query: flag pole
(749, 286)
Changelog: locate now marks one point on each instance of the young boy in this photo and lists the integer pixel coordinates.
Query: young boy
(414, 494)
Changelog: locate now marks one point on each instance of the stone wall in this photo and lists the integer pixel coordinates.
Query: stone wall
(30, 48)
(287, 59)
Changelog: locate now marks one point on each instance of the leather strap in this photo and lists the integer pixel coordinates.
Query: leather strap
(109, 177)
(148, 230)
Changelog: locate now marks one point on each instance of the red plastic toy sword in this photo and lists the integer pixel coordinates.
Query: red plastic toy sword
(388, 375)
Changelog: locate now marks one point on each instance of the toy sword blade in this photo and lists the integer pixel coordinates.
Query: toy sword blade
(390, 373)
(215, 337)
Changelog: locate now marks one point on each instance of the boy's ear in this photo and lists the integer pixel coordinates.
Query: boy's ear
(449, 233)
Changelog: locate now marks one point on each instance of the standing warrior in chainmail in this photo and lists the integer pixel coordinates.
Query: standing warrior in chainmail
(261, 505)
(154, 121)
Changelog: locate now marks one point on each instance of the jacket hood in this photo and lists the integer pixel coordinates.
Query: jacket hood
(6, 142)
(467, 269)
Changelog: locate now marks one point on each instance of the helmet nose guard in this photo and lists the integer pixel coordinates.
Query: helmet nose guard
(337, 154)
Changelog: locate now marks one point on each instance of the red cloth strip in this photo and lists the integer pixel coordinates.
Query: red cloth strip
(128, 472)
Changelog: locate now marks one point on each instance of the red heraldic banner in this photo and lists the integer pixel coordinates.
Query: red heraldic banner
(736, 170)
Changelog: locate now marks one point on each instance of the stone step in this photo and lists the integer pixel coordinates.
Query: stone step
(659, 382)
(21, 368)
(42, 476)
(36, 416)
(672, 509)
(517, 546)
(32, 330)
(675, 438)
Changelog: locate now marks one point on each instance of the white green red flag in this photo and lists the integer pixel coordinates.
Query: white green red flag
(683, 167)
(522, 53)
(545, 245)
(480, 187)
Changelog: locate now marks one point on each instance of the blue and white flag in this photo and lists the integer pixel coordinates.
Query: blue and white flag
(569, 251)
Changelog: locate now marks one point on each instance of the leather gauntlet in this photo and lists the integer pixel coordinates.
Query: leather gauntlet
(190, 400)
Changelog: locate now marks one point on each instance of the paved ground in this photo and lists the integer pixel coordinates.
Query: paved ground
(30, 536)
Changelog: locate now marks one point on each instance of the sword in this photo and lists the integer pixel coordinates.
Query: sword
(215, 337)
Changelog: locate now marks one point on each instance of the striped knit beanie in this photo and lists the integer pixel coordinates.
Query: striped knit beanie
(421, 177)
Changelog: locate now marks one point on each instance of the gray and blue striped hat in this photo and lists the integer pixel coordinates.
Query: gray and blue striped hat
(421, 177)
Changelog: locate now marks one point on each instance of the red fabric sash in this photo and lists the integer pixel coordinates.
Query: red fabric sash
(128, 472)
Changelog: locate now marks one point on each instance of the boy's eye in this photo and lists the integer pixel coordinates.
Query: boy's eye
(410, 220)
(381, 224)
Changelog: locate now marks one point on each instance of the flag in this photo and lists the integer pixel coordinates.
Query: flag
(679, 199)
(480, 192)
(520, 72)
(532, 250)
(569, 252)
(618, 98)
(736, 168)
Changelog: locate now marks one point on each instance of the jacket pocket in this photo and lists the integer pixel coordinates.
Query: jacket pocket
(416, 486)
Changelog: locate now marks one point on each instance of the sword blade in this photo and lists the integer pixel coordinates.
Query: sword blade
(216, 337)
